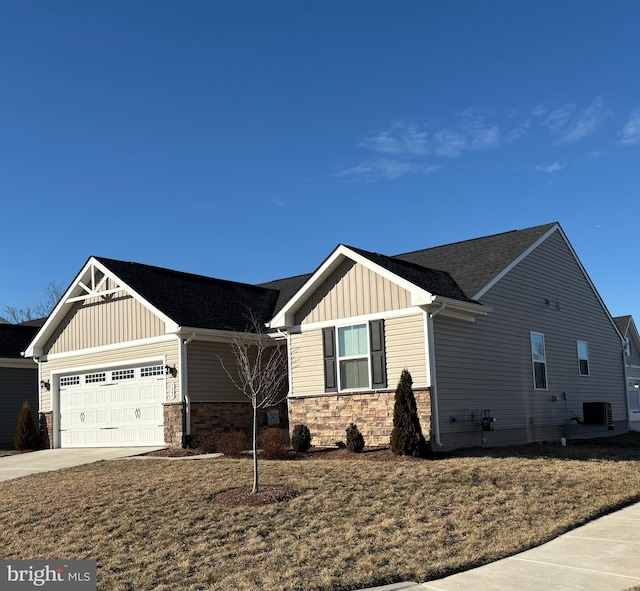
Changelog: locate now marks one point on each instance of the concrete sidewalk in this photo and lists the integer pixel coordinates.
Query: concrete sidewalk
(603, 555)
(46, 460)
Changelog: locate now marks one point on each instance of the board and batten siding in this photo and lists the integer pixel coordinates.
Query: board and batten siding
(97, 322)
(352, 290)
(167, 349)
(487, 365)
(404, 347)
(208, 381)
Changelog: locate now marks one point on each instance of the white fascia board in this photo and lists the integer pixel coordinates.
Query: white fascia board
(404, 312)
(112, 347)
(284, 318)
(516, 261)
(458, 309)
(217, 335)
(73, 293)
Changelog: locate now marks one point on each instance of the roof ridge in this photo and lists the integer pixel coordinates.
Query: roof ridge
(550, 224)
(106, 260)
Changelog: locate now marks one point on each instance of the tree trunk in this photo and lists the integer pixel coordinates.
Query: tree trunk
(255, 449)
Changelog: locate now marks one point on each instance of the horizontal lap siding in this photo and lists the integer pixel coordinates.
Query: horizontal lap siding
(405, 349)
(404, 345)
(168, 349)
(98, 322)
(487, 365)
(16, 386)
(208, 380)
(352, 290)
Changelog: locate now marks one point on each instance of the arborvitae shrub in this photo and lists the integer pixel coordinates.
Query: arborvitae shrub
(27, 436)
(274, 443)
(355, 440)
(301, 439)
(232, 443)
(406, 438)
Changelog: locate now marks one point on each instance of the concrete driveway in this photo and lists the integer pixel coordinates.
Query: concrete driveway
(47, 460)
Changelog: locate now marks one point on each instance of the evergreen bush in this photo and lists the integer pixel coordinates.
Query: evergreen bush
(406, 438)
(355, 440)
(301, 439)
(26, 436)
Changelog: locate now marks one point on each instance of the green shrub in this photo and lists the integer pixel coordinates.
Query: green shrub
(27, 436)
(301, 439)
(274, 443)
(232, 443)
(355, 440)
(406, 438)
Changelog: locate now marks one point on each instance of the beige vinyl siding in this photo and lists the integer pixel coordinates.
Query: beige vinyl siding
(352, 290)
(405, 348)
(98, 322)
(207, 378)
(307, 369)
(487, 365)
(115, 357)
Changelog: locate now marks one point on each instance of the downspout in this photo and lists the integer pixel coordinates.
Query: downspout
(435, 414)
(184, 390)
(626, 383)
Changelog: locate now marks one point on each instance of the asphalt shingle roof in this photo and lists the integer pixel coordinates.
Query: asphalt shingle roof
(474, 263)
(14, 339)
(432, 280)
(195, 300)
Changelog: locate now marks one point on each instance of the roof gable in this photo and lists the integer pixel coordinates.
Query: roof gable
(179, 299)
(476, 263)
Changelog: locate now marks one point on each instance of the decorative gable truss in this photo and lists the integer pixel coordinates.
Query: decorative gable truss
(93, 287)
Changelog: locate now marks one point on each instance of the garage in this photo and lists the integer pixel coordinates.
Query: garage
(119, 406)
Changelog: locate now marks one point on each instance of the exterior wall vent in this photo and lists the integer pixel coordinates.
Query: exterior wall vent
(598, 413)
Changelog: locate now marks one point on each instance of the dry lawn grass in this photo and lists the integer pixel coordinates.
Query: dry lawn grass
(151, 524)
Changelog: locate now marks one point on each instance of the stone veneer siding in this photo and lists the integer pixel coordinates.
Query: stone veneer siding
(327, 416)
(173, 424)
(214, 417)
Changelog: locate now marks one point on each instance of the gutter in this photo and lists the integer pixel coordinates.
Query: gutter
(184, 391)
(435, 414)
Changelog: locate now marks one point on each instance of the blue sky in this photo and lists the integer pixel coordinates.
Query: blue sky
(244, 140)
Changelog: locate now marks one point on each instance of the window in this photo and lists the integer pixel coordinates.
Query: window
(539, 359)
(634, 396)
(153, 370)
(583, 358)
(122, 374)
(92, 378)
(69, 381)
(353, 357)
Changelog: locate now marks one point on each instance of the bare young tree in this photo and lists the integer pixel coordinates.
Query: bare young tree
(53, 292)
(260, 374)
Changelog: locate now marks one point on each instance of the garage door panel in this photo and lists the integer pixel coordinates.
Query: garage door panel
(114, 408)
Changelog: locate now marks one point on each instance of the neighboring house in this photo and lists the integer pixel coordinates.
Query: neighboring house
(18, 378)
(629, 332)
(131, 356)
(505, 336)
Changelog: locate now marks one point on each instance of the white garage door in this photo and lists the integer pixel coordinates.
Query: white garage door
(115, 407)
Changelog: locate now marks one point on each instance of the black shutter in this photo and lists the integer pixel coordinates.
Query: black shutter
(378, 359)
(329, 352)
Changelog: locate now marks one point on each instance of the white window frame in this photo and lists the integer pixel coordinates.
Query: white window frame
(583, 358)
(634, 401)
(340, 358)
(534, 361)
